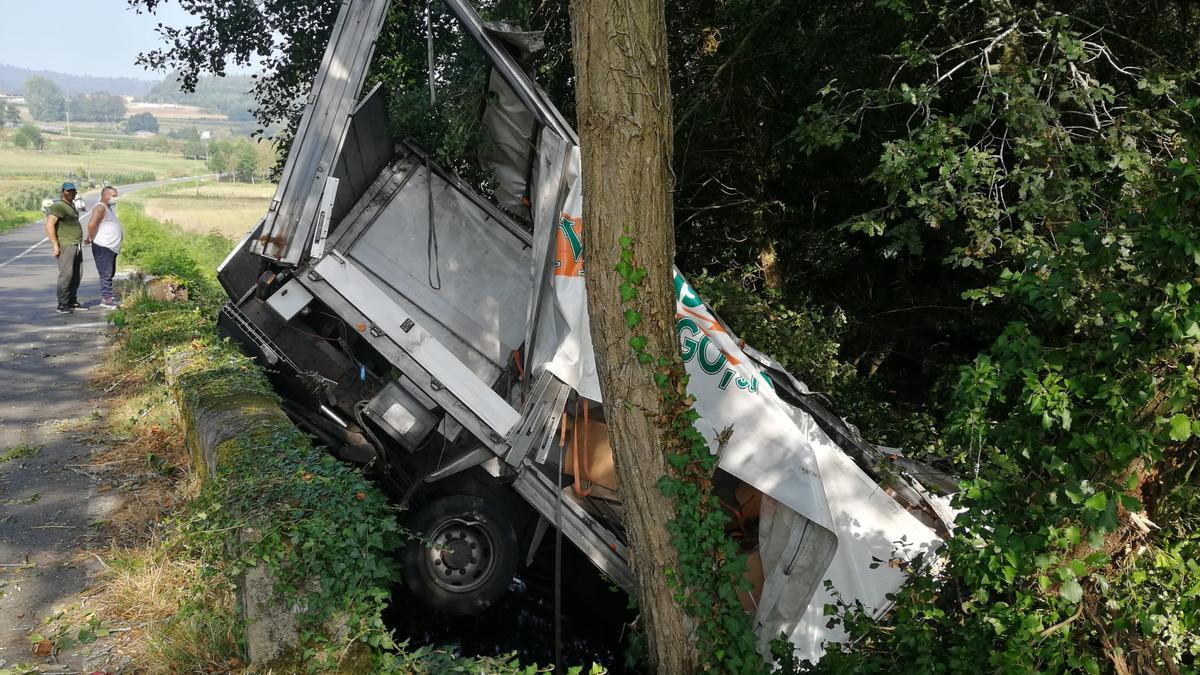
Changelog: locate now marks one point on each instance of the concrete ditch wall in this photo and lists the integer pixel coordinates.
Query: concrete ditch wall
(272, 638)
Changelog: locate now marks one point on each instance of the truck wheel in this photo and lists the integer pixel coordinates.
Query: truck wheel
(472, 558)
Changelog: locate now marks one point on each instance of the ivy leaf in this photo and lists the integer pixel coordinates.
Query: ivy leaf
(1181, 427)
(1131, 503)
(1071, 591)
(1097, 502)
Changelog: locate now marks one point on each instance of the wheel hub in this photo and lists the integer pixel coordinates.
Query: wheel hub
(462, 556)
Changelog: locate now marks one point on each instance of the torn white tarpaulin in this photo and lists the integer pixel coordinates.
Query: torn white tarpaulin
(826, 520)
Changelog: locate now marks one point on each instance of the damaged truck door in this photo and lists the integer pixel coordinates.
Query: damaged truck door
(436, 329)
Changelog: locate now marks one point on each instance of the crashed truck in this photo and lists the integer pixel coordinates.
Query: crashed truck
(438, 331)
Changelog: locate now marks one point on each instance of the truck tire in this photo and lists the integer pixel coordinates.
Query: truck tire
(472, 558)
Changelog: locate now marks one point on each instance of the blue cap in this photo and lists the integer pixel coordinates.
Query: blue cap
(68, 186)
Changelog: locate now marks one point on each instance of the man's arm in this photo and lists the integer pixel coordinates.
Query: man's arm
(94, 223)
(52, 234)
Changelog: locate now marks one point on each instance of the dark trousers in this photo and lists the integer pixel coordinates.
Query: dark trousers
(106, 267)
(69, 262)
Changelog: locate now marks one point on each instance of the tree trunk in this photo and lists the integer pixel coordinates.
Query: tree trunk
(624, 109)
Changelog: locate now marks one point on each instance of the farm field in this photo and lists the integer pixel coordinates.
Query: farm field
(15, 162)
(175, 112)
(229, 208)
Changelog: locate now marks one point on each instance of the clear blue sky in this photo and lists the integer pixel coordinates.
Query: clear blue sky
(25, 35)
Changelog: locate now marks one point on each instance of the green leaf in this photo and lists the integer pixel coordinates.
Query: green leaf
(1097, 502)
(1131, 503)
(1181, 427)
(1071, 591)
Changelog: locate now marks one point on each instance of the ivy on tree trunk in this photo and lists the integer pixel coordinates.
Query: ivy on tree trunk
(624, 108)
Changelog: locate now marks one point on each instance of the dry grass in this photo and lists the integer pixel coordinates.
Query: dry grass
(144, 459)
(147, 576)
(179, 112)
(232, 209)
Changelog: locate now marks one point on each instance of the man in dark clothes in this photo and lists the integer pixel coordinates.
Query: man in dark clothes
(66, 237)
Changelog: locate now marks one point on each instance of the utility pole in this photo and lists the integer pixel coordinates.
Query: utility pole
(67, 109)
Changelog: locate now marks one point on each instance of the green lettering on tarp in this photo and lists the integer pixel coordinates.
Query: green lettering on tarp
(568, 229)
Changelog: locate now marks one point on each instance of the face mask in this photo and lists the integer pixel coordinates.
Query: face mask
(112, 203)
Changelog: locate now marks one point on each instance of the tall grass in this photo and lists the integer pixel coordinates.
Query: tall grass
(13, 218)
(230, 208)
(163, 249)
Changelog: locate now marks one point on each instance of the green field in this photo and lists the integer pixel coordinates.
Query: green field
(18, 163)
(229, 208)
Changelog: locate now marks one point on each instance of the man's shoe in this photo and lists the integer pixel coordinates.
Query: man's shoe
(109, 304)
(79, 306)
(63, 309)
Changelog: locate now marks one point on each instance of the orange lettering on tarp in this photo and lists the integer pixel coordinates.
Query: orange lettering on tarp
(568, 247)
(712, 327)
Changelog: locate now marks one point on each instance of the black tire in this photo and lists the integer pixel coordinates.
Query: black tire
(472, 559)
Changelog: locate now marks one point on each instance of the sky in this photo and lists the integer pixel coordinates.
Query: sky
(51, 35)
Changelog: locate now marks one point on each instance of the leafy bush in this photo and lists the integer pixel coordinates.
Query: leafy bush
(327, 535)
(141, 122)
(800, 337)
(1075, 427)
(29, 137)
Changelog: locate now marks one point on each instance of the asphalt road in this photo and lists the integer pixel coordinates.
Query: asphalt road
(47, 409)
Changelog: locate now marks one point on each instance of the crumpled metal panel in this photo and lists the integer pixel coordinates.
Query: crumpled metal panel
(292, 218)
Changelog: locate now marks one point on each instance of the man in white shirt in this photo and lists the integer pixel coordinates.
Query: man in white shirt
(104, 233)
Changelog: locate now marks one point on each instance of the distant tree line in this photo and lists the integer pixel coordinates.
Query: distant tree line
(47, 103)
(98, 107)
(245, 161)
(226, 95)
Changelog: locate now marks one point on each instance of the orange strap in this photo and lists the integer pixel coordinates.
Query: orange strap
(516, 354)
(739, 521)
(579, 489)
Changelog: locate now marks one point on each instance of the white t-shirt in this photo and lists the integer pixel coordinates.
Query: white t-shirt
(109, 234)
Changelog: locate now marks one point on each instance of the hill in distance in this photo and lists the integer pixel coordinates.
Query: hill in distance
(12, 81)
(226, 95)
